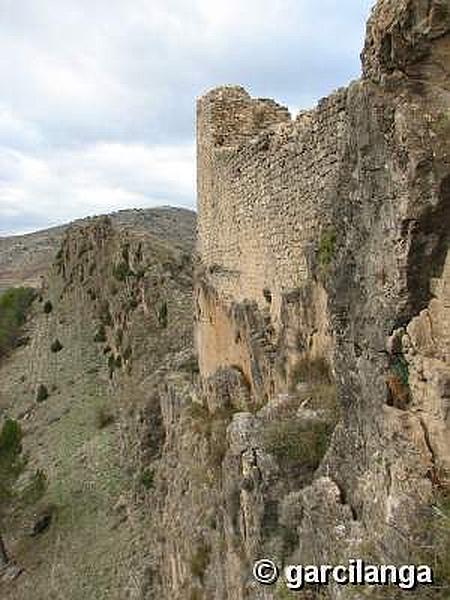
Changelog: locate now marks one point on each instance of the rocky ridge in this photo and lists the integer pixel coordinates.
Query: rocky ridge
(25, 259)
(314, 427)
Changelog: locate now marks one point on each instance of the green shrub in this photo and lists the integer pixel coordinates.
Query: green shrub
(41, 393)
(147, 478)
(10, 440)
(48, 307)
(397, 381)
(100, 335)
(14, 305)
(293, 441)
(400, 368)
(103, 417)
(327, 247)
(121, 271)
(56, 346)
(163, 315)
(12, 462)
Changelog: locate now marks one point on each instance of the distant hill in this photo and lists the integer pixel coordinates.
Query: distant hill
(25, 258)
(111, 330)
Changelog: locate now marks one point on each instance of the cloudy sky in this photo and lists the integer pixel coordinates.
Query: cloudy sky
(98, 96)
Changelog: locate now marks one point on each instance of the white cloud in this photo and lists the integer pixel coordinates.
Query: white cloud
(98, 102)
(16, 132)
(95, 179)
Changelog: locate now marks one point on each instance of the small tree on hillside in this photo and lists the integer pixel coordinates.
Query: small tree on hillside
(14, 306)
(12, 464)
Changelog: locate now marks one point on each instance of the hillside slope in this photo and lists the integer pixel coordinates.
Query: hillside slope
(24, 259)
(314, 427)
(118, 300)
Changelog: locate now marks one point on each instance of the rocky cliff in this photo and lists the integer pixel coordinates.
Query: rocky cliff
(314, 427)
(322, 309)
(112, 317)
(25, 259)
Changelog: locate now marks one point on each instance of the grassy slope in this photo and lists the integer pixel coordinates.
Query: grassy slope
(95, 546)
(74, 559)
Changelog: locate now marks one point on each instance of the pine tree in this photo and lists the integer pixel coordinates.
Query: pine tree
(12, 464)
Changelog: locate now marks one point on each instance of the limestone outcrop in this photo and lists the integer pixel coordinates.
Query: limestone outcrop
(323, 259)
(314, 426)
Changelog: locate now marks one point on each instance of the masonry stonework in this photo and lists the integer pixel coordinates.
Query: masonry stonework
(325, 238)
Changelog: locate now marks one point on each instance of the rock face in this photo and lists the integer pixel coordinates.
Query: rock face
(118, 297)
(25, 259)
(323, 274)
(314, 427)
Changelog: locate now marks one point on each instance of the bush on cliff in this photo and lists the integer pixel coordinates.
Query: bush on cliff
(41, 393)
(163, 315)
(56, 346)
(121, 271)
(48, 307)
(327, 247)
(14, 305)
(295, 443)
(100, 335)
(397, 382)
(12, 465)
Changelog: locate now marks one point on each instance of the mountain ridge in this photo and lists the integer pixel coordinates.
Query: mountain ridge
(25, 258)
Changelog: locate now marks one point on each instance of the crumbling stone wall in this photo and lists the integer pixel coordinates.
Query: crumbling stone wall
(334, 228)
(264, 191)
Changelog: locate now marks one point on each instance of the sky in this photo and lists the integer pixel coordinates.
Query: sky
(97, 108)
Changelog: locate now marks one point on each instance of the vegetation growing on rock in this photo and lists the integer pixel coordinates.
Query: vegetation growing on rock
(12, 464)
(41, 393)
(14, 306)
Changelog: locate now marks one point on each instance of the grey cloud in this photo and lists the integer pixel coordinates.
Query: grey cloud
(117, 81)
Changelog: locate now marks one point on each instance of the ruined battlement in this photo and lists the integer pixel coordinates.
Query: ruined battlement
(265, 187)
(228, 116)
(325, 202)
(269, 186)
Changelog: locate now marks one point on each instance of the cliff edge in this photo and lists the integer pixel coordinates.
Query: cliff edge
(323, 288)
